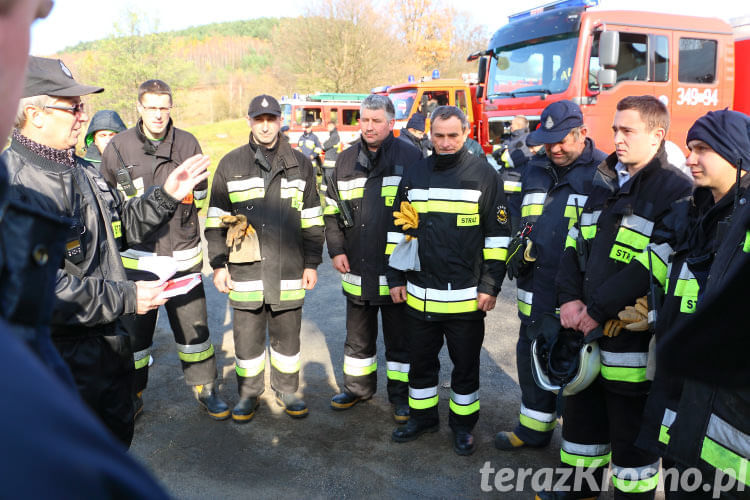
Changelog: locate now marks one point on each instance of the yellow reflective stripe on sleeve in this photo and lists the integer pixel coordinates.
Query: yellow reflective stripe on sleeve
(352, 284)
(291, 290)
(720, 456)
(117, 228)
(356, 367)
(310, 217)
(512, 186)
(142, 358)
(213, 216)
(571, 239)
(247, 291)
(525, 299)
(352, 189)
(383, 286)
(246, 189)
(284, 363)
(659, 260)
(631, 238)
(250, 367)
(624, 366)
(746, 245)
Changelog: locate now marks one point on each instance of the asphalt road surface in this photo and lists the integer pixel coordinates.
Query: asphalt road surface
(345, 454)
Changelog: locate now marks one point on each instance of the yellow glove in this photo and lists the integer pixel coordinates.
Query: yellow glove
(636, 317)
(407, 218)
(238, 228)
(613, 327)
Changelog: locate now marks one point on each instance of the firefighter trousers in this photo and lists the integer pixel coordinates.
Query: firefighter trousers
(189, 323)
(538, 415)
(464, 339)
(250, 349)
(599, 426)
(360, 350)
(102, 367)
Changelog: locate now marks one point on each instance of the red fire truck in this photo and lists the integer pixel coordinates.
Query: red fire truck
(318, 110)
(595, 58)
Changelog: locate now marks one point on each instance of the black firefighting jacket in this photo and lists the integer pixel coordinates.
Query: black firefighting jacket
(95, 292)
(284, 208)
(552, 199)
(368, 183)
(616, 225)
(463, 235)
(689, 246)
(149, 165)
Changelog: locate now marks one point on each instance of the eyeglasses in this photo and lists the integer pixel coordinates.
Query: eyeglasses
(76, 109)
(155, 110)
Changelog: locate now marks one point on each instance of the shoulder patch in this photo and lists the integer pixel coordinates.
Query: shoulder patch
(502, 215)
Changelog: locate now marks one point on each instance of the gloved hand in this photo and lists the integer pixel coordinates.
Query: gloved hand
(613, 327)
(519, 256)
(636, 317)
(407, 218)
(238, 228)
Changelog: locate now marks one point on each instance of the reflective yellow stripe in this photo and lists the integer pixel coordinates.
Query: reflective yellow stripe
(330, 210)
(588, 232)
(447, 207)
(250, 194)
(423, 404)
(357, 367)
(495, 254)
(536, 425)
(352, 194)
(117, 228)
(255, 296)
(284, 363)
(525, 299)
(584, 461)
(292, 294)
(624, 374)
(441, 307)
(531, 210)
(631, 238)
(213, 222)
(636, 486)
(398, 376)
(388, 190)
(464, 409)
(746, 245)
(511, 186)
(194, 357)
(250, 367)
(142, 358)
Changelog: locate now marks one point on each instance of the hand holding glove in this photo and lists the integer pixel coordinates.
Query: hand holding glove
(632, 318)
(520, 254)
(238, 228)
(407, 218)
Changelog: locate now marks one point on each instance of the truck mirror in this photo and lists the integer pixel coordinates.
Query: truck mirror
(480, 91)
(607, 78)
(482, 70)
(609, 49)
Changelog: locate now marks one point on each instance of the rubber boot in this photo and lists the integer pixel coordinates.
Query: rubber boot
(208, 399)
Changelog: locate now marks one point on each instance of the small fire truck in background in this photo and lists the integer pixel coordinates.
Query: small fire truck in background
(319, 109)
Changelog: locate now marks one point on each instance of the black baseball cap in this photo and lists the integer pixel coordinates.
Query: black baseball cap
(51, 77)
(557, 120)
(264, 105)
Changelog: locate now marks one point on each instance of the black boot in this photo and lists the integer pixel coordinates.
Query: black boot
(463, 443)
(401, 413)
(344, 401)
(208, 399)
(293, 406)
(412, 430)
(244, 410)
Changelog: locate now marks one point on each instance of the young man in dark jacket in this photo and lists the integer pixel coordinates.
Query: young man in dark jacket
(462, 236)
(102, 128)
(555, 189)
(365, 179)
(272, 187)
(632, 192)
(690, 420)
(331, 146)
(135, 160)
(413, 133)
(92, 290)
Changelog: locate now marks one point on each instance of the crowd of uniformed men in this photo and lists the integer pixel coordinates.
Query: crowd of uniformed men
(623, 249)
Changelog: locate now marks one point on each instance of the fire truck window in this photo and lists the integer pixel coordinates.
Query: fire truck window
(633, 61)
(461, 101)
(333, 114)
(661, 59)
(434, 99)
(351, 117)
(697, 61)
(312, 115)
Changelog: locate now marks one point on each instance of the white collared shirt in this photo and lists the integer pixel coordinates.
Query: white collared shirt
(622, 174)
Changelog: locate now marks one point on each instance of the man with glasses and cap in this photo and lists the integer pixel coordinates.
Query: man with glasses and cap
(92, 291)
(135, 160)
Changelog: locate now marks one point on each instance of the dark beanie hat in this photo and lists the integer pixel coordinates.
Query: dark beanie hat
(416, 122)
(726, 132)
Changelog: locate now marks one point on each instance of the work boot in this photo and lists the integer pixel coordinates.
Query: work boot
(138, 405)
(344, 401)
(401, 413)
(293, 406)
(463, 443)
(208, 399)
(411, 431)
(508, 441)
(244, 410)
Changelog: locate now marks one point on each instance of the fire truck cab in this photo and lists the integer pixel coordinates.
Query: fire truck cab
(318, 110)
(595, 58)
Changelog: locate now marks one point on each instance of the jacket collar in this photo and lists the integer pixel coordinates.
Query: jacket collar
(164, 149)
(606, 175)
(284, 154)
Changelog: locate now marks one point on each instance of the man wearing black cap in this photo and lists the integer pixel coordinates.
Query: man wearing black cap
(366, 178)
(309, 144)
(599, 276)
(413, 133)
(141, 157)
(267, 192)
(92, 291)
(555, 189)
(699, 417)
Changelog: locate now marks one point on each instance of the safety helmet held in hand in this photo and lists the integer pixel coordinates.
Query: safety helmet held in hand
(566, 362)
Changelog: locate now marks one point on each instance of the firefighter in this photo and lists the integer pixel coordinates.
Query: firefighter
(414, 134)
(309, 145)
(92, 291)
(512, 155)
(555, 189)
(266, 195)
(687, 416)
(141, 157)
(103, 127)
(455, 208)
(366, 177)
(332, 146)
(632, 192)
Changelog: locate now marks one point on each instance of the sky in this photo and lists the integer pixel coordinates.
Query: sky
(74, 21)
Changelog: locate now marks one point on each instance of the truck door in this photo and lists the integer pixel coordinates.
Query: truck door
(635, 76)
